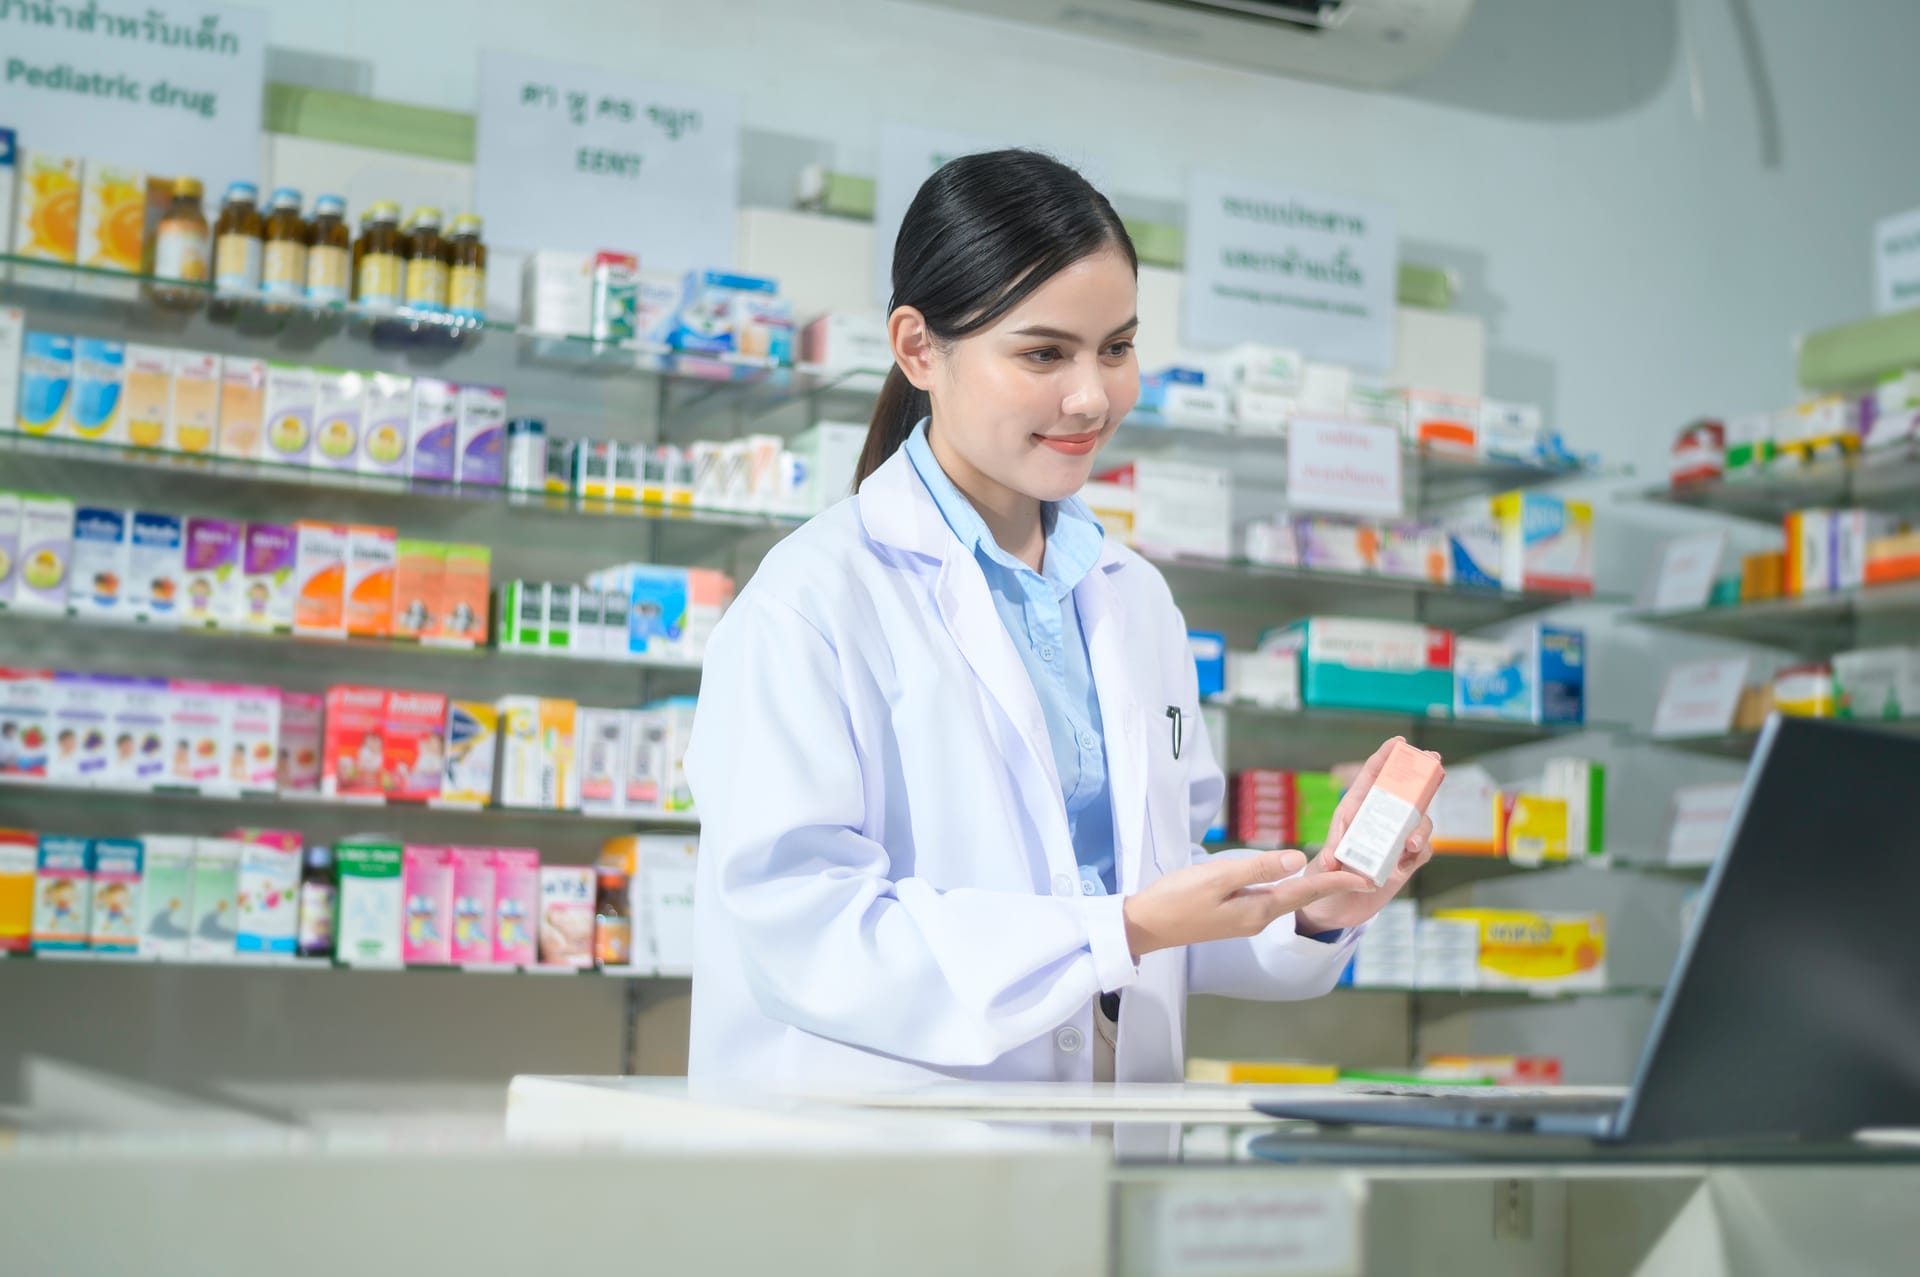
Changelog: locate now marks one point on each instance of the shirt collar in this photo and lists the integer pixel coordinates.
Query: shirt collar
(1074, 536)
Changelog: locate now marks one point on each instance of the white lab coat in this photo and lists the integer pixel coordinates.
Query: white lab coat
(887, 891)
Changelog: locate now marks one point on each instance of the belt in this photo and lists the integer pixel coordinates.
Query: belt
(1110, 1006)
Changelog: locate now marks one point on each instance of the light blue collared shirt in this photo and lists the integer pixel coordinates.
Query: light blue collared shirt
(1041, 616)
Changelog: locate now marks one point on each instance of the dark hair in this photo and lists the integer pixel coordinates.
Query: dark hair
(981, 235)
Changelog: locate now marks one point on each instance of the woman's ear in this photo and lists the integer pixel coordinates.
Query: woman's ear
(912, 343)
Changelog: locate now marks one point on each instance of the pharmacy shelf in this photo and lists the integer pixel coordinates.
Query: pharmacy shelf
(1814, 624)
(1450, 871)
(54, 291)
(1432, 477)
(272, 809)
(402, 496)
(1308, 591)
(368, 655)
(1438, 732)
(282, 962)
(1886, 480)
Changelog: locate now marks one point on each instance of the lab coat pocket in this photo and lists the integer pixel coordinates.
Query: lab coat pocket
(1168, 803)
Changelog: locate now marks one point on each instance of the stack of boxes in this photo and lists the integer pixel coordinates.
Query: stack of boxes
(1272, 809)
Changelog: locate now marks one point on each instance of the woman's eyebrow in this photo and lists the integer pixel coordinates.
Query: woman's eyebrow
(1057, 334)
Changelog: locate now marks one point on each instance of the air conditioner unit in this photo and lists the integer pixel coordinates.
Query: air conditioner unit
(1367, 43)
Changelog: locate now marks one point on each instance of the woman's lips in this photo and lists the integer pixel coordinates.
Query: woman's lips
(1071, 445)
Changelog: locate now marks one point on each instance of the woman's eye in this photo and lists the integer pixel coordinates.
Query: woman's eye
(1047, 356)
(1119, 350)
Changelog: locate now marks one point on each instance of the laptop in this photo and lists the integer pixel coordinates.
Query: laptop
(1794, 1009)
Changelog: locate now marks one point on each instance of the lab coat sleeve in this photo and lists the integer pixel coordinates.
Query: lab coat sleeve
(830, 941)
(1278, 965)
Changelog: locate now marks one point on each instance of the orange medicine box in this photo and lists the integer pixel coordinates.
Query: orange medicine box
(461, 617)
(320, 579)
(420, 568)
(1390, 812)
(353, 744)
(370, 563)
(413, 750)
(18, 862)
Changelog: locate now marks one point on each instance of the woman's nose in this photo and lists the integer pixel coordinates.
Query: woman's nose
(1088, 398)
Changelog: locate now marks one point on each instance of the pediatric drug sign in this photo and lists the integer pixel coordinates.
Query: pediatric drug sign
(171, 89)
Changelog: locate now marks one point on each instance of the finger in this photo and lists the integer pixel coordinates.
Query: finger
(1296, 893)
(1267, 866)
(1357, 792)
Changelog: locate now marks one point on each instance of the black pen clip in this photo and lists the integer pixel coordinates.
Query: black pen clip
(1179, 720)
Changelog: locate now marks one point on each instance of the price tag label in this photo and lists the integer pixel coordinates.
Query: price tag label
(583, 159)
(1701, 698)
(1345, 467)
(1684, 580)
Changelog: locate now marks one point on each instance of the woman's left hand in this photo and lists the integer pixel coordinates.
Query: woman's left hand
(1350, 909)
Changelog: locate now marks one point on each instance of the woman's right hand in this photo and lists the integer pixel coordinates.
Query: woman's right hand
(1227, 899)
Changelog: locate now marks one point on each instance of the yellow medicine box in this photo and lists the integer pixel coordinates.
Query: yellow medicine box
(1535, 828)
(1547, 951)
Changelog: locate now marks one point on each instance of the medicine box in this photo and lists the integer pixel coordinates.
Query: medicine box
(1582, 784)
(413, 746)
(167, 903)
(9, 545)
(19, 863)
(254, 738)
(1492, 679)
(156, 567)
(427, 885)
(1209, 650)
(197, 734)
(419, 568)
(433, 428)
(292, 402)
(63, 893)
(268, 896)
(101, 565)
(474, 878)
(352, 759)
(82, 712)
(13, 331)
(566, 915)
(388, 425)
(26, 724)
(1477, 551)
(194, 413)
(480, 447)
(147, 397)
(140, 730)
(1536, 828)
(1337, 545)
(211, 584)
(269, 554)
(1467, 813)
(46, 380)
(243, 407)
(339, 416)
(216, 894)
(371, 903)
(46, 554)
(1415, 552)
(320, 579)
(516, 906)
(371, 556)
(301, 742)
(1878, 683)
(1546, 543)
(1365, 664)
(461, 617)
(96, 404)
(601, 757)
(536, 753)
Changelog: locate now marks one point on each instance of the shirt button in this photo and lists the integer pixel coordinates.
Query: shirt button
(1088, 740)
(1067, 1040)
(1062, 885)
(1046, 651)
(1086, 886)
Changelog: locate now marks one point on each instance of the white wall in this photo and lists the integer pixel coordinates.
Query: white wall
(1635, 266)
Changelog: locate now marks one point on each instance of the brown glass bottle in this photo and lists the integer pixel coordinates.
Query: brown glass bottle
(427, 255)
(239, 241)
(467, 274)
(377, 265)
(284, 270)
(180, 248)
(329, 251)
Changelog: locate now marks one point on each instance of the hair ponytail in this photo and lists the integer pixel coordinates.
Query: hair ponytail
(981, 235)
(895, 414)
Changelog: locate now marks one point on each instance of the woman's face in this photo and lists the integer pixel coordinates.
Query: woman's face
(1022, 409)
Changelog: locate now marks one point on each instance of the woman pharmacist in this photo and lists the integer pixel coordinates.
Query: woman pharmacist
(948, 756)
